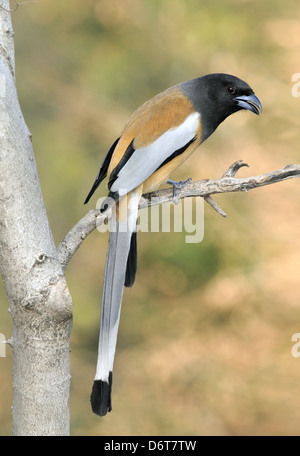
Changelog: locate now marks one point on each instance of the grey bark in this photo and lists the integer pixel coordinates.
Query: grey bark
(39, 301)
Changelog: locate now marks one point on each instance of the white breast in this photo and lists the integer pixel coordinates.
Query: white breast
(145, 161)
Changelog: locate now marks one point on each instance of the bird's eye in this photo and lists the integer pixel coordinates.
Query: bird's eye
(231, 90)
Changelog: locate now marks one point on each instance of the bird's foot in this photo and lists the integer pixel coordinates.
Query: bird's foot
(177, 186)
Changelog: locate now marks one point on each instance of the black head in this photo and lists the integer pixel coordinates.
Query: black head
(217, 96)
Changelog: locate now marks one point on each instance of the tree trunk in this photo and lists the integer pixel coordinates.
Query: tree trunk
(39, 300)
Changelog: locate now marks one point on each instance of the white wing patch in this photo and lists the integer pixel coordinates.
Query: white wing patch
(145, 161)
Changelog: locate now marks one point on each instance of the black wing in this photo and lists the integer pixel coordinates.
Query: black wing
(102, 171)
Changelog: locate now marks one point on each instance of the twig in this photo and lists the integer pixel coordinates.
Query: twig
(215, 205)
(204, 188)
(17, 5)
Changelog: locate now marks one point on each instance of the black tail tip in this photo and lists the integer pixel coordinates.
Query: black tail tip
(101, 396)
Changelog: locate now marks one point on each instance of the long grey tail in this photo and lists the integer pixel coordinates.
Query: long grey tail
(120, 270)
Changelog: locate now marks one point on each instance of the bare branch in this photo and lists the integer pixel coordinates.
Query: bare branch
(204, 188)
(17, 4)
(215, 205)
(234, 168)
(78, 233)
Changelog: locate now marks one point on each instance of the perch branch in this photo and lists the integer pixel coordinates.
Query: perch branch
(204, 188)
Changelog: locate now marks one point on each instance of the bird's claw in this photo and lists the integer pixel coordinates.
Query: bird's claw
(177, 186)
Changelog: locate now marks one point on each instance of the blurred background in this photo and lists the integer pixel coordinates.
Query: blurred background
(204, 346)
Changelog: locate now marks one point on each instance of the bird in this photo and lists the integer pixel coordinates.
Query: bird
(158, 137)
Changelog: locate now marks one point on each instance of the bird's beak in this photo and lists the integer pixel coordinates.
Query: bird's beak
(250, 102)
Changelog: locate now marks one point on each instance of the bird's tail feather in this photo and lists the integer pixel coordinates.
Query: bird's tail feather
(120, 270)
